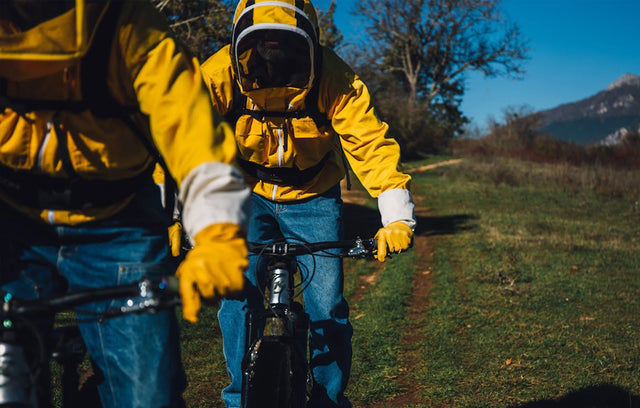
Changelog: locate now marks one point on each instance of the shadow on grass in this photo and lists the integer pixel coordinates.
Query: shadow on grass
(360, 221)
(447, 225)
(364, 222)
(598, 396)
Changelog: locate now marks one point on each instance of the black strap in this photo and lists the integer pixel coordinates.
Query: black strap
(43, 191)
(291, 176)
(63, 148)
(94, 73)
(239, 108)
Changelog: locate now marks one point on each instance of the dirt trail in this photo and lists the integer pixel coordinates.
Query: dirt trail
(433, 166)
(422, 281)
(420, 297)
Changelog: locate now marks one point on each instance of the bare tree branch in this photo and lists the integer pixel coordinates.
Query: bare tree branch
(429, 45)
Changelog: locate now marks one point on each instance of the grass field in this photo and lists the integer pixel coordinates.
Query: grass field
(534, 298)
(537, 297)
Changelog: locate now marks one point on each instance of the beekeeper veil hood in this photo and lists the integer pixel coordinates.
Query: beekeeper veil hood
(275, 44)
(38, 37)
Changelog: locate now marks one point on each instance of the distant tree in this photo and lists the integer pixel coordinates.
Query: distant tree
(519, 122)
(418, 53)
(330, 35)
(203, 25)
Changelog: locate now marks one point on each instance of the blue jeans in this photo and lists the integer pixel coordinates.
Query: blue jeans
(137, 356)
(312, 220)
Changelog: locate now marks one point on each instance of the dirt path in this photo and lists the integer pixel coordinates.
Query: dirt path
(422, 281)
(420, 297)
(433, 166)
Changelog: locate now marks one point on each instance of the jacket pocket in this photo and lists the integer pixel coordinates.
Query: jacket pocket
(311, 144)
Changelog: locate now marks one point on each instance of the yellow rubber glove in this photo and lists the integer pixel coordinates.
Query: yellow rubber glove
(395, 237)
(175, 238)
(214, 268)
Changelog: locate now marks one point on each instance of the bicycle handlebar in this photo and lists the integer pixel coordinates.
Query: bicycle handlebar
(356, 248)
(148, 293)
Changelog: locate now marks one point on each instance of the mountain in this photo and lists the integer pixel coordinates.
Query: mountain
(602, 118)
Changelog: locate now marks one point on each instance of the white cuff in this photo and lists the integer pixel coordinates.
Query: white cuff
(397, 205)
(214, 193)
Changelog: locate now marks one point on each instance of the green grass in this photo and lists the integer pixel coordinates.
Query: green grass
(537, 298)
(378, 324)
(203, 360)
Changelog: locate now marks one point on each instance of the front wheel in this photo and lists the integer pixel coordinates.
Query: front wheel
(274, 375)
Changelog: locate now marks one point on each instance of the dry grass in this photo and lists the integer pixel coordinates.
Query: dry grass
(604, 180)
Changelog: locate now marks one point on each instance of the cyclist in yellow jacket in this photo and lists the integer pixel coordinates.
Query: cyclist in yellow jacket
(298, 108)
(92, 94)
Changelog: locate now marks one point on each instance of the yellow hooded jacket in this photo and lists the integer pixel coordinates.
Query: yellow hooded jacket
(276, 142)
(148, 69)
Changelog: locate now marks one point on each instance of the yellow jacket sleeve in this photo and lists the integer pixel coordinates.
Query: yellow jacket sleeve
(197, 145)
(373, 157)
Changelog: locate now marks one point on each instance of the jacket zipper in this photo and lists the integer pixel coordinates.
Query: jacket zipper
(39, 165)
(281, 150)
(40, 156)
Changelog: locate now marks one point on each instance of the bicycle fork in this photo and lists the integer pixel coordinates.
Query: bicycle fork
(275, 367)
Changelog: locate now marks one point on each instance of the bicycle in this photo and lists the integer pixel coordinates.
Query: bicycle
(275, 369)
(24, 352)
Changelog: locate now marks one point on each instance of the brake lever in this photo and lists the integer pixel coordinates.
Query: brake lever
(148, 300)
(363, 248)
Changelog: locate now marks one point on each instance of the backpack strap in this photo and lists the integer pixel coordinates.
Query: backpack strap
(239, 108)
(96, 94)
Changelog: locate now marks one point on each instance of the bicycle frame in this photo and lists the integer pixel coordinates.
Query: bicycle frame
(275, 371)
(19, 361)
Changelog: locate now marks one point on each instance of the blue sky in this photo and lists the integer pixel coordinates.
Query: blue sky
(578, 47)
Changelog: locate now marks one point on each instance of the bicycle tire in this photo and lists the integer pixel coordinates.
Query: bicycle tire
(274, 375)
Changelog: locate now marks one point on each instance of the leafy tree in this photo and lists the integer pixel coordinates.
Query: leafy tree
(203, 25)
(417, 55)
(330, 35)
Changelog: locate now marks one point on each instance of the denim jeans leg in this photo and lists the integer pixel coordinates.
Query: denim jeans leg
(138, 354)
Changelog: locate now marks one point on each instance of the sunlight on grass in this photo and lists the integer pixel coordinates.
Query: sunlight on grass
(538, 299)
